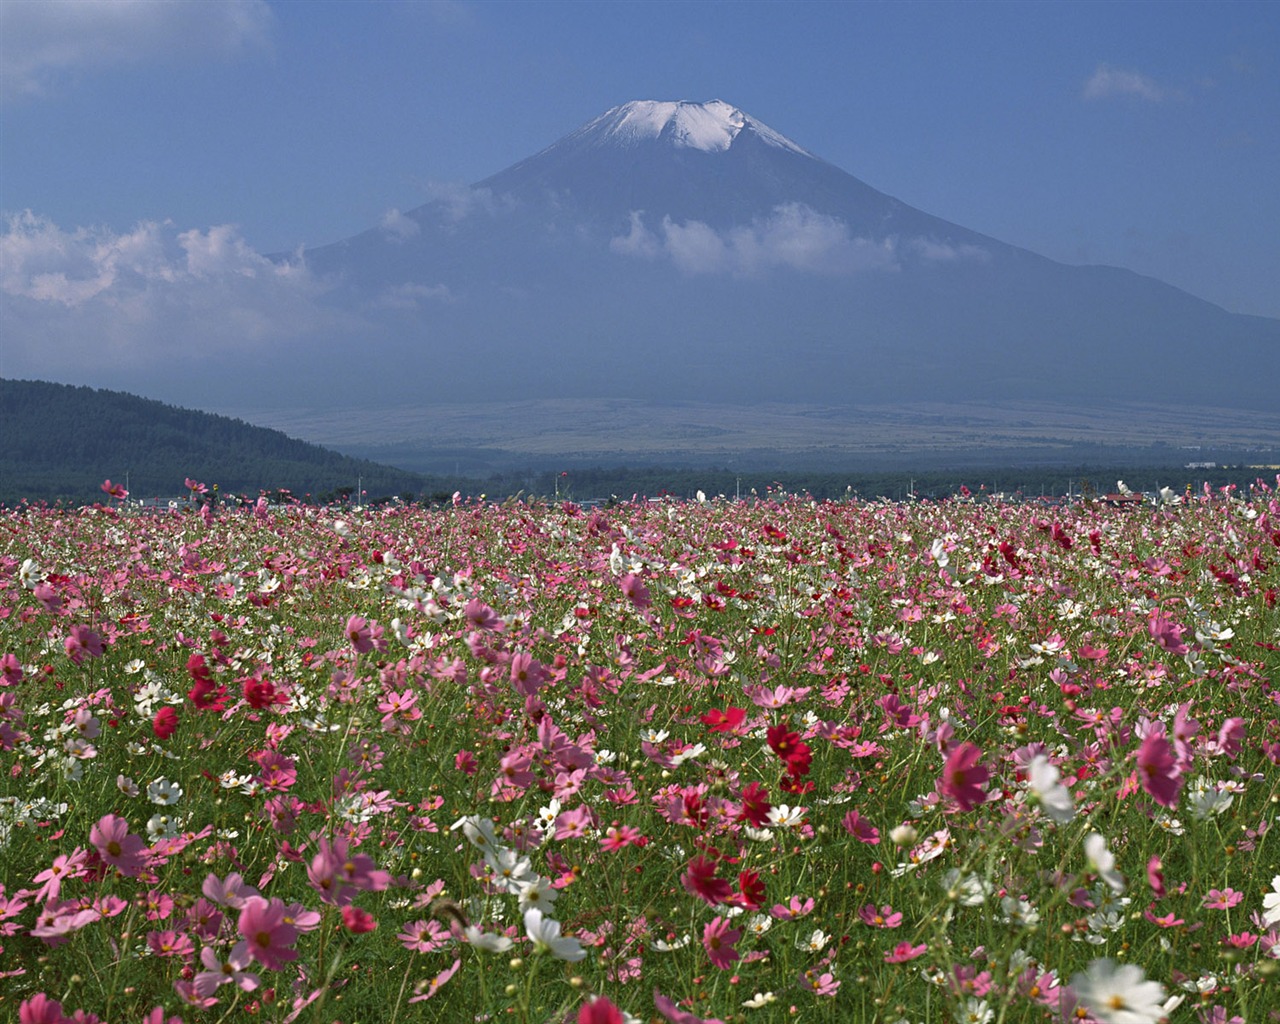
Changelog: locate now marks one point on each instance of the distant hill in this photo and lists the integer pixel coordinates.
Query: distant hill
(61, 442)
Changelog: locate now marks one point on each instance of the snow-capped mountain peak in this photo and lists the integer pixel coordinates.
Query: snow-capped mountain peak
(710, 127)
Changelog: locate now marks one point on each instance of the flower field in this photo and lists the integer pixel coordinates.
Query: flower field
(666, 761)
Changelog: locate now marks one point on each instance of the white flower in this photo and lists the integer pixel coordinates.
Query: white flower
(538, 893)
(1119, 994)
(164, 793)
(545, 934)
(510, 868)
(815, 943)
(490, 941)
(127, 786)
(971, 891)
(903, 835)
(479, 831)
(1271, 904)
(547, 815)
(786, 816)
(1103, 861)
(1055, 798)
(975, 1011)
(760, 999)
(163, 826)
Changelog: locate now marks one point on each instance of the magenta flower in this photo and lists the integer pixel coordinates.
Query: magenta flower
(116, 491)
(1158, 770)
(963, 777)
(858, 826)
(269, 936)
(40, 1009)
(700, 880)
(82, 643)
(117, 846)
(719, 941)
(885, 917)
(599, 1010)
(360, 634)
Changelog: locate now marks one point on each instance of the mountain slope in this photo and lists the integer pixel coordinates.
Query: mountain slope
(63, 441)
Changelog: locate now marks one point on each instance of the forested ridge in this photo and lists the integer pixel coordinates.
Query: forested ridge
(60, 442)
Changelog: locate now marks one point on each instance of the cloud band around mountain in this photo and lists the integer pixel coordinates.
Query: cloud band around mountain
(793, 237)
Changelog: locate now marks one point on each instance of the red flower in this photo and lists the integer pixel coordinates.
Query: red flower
(260, 693)
(724, 721)
(356, 920)
(750, 890)
(165, 723)
(755, 805)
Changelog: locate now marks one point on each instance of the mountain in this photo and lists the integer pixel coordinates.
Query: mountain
(61, 442)
(687, 252)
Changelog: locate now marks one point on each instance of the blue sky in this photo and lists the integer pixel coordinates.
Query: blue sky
(1143, 135)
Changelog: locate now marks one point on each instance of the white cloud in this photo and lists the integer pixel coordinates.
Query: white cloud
(411, 296)
(459, 201)
(43, 43)
(944, 252)
(399, 227)
(639, 241)
(1107, 81)
(793, 236)
(97, 298)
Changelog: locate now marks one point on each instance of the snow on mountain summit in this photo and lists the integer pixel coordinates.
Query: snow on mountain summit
(710, 127)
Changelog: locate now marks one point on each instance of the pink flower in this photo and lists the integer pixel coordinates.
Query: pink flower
(360, 634)
(620, 836)
(885, 917)
(269, 936)
(823, 984)
(1222, 899)
(635, 590)
(117, 846)
(218, 972)
(903, 952)
(114, 490)
(575, 823)
(1155, 876)
(963, 777)
(676, 1015)
(719, 941)
(64, 866)
(1167, 633)
(438, 982)
(1158, 771)
(423, 936)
